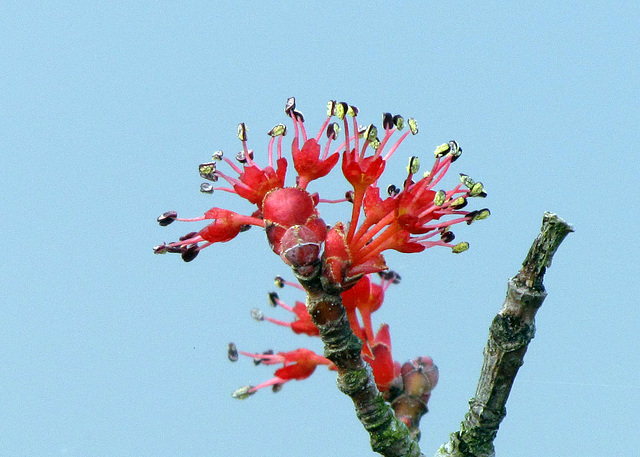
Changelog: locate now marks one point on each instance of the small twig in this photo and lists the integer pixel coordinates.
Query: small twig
(509, 335)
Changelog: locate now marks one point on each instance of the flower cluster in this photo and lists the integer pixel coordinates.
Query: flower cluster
(342, 259)
(409, 218)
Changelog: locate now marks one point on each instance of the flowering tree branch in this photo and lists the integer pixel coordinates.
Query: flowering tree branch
(510, 333)
(336, 267)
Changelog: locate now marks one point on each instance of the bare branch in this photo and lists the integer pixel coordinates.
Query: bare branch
(509, 335)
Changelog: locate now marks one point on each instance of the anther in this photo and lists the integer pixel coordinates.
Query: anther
(439, 198)
(298, 114)
(278, 130)
(387, 121)
(273, 296)
(392, 190)
(242, 132)
(167, 218)
(242, 156)
(447, 236)
(217, 156)
(208, 171)
(477, 190)
(332, 131)
(413, 125)
(160, 249)
(390, 275)
(277, 388)
(290, 106)
(478, 215)
(190, 253)
(353, 111)
(331, 107)
(414, 165)
(458, 203)
(371, 133)
(466, 180)
(206, 188)
(232, 352)
(456, 150)
(442, 150)
(257, 315)
(243, 392)
(348, 195)
(398, 121)
(258, 360)
(279, 280)
(460, 247)
(341, 110)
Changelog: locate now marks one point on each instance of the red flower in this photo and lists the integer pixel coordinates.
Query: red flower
(302, 323)
(298, 365)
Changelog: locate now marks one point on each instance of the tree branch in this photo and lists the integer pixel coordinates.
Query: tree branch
(389, 436)
(509, 335)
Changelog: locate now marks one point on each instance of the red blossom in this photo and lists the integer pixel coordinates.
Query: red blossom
(308, 164)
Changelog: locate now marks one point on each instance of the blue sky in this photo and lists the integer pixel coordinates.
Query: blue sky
(108, 108)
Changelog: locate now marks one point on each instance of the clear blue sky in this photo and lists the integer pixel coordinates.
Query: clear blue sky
(107, 108)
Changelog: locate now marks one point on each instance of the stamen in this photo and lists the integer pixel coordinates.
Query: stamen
(206, 188)
(167, 218)
(232, 352)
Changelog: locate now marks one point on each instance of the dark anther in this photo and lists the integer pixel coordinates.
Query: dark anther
(353, 111)
(332, 131)
(279, 280)
(176, 249)
(390, 275)
(190, 253)
(206, 188)
(258, 361)
(273, 298)
(245, 227)
(349, 196)
(167, 218)
(290, 106)
(188, 236)
(160, 249)
(387, 121)
(242, 156)
(298, 114)
(393, 190)
(447, 236)
(232, 352)
(276, 388)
